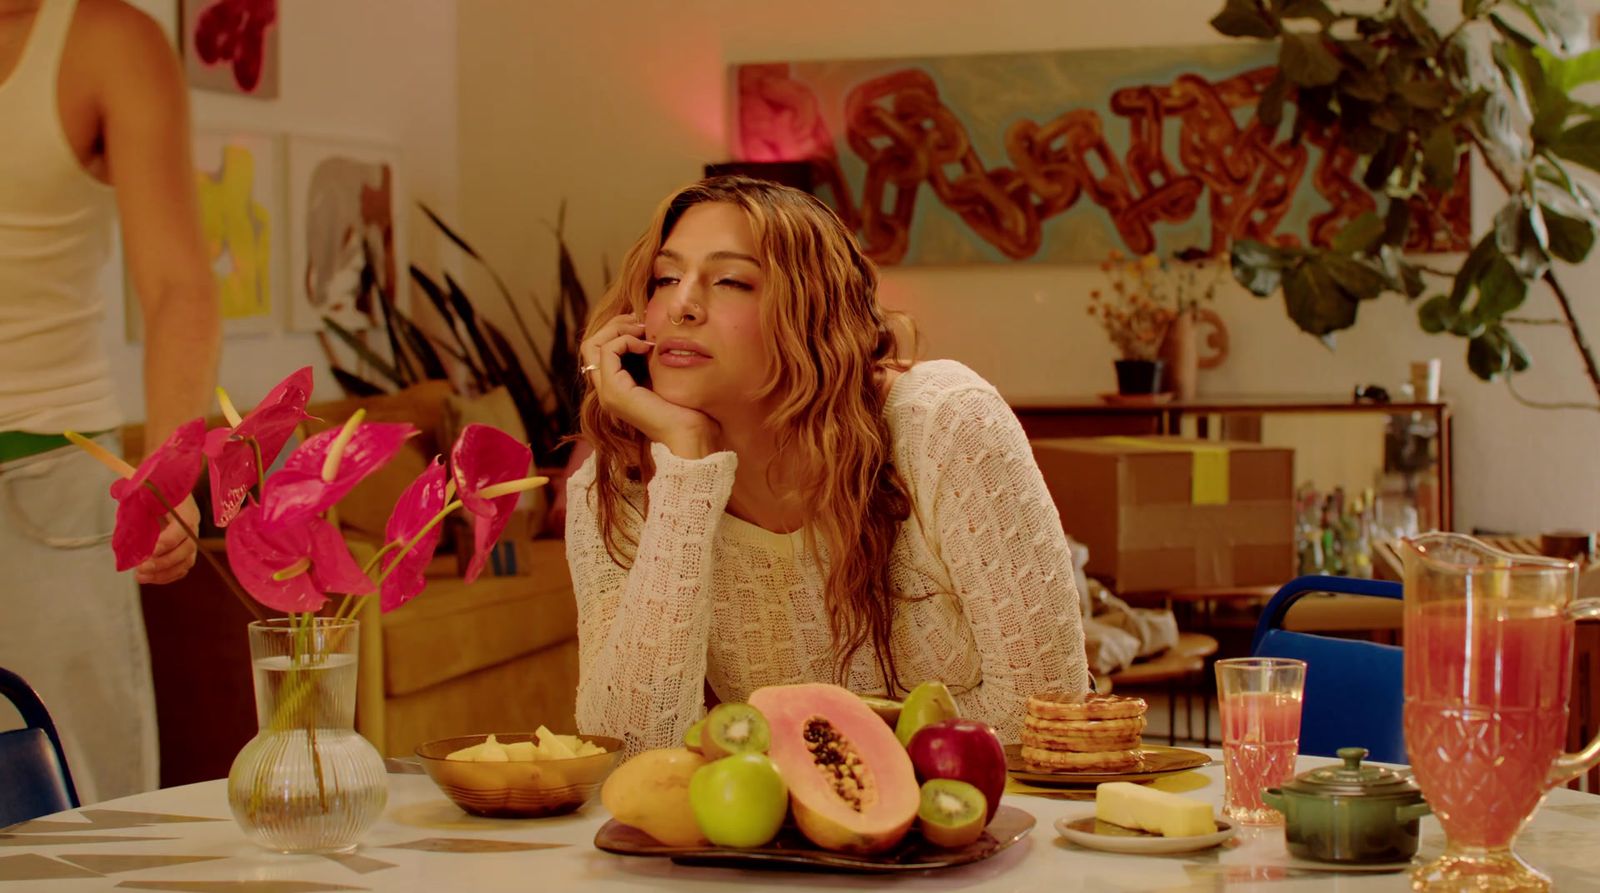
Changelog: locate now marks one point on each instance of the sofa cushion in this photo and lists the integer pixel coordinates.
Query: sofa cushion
(452, 629)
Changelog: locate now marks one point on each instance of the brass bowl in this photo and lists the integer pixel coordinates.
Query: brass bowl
(519, 788)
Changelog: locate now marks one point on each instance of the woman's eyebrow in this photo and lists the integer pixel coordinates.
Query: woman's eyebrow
(715, 255)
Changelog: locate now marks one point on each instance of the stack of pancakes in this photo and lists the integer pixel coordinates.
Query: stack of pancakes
(1082, 733)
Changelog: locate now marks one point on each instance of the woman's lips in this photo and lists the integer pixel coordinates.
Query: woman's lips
(679, 354)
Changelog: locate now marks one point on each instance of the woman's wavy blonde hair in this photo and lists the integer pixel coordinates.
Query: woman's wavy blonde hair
(832, 340)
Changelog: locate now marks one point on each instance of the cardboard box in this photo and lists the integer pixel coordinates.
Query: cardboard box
(1175, 513)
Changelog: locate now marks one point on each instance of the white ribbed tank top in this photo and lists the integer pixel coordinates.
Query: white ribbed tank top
(55, 240)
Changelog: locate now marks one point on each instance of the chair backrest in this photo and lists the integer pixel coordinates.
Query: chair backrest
(34, 779)
(1355, 693)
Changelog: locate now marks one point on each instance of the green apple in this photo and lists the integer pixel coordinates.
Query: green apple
(740, 800)
(929, 702)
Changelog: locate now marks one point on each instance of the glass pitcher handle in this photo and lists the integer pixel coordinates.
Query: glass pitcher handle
(1570, 765)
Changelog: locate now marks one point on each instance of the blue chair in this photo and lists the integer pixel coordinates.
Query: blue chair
(34, 779)
(1354, 691)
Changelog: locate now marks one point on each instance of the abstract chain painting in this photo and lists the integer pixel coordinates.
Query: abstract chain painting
(1059, 157)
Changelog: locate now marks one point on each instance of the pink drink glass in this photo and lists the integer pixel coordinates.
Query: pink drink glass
(1259, 698)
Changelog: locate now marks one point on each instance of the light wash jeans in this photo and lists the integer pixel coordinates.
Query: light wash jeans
(70, 624)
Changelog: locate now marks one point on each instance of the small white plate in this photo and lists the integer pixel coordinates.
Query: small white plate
(1082, 831)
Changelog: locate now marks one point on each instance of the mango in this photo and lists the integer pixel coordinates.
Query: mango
(651, 792)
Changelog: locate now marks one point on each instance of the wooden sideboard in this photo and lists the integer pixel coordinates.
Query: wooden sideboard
(1228, 418)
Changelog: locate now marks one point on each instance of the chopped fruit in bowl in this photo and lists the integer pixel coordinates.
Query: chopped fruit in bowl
(520, 775)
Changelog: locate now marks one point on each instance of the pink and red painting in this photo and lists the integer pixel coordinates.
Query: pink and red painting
(1060, 157)
(231, 46)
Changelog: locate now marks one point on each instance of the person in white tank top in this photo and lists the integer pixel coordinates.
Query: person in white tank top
(96, 131)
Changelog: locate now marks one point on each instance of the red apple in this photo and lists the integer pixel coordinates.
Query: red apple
(963, 749)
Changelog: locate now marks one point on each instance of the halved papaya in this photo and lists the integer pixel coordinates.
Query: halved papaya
(851, 785)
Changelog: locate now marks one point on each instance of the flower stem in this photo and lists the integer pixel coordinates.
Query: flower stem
(224, 573)
(354, 607)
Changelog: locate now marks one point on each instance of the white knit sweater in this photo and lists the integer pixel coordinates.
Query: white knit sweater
(713, 598)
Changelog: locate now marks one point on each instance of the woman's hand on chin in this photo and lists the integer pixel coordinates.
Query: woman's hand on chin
(688, 433)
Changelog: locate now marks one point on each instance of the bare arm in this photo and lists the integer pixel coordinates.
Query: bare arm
(145, 123)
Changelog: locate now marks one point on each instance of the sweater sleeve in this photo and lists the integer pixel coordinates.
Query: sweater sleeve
(643, 631)
(999, 536)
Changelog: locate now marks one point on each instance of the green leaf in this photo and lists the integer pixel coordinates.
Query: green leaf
(1270, 107)
(1439, 158)
(1580, 143)
(1487, 356)
(1436, 314)
(1315, 302)
(1354, 277)
(1569, 73)
(1397, 222)
(1257, 266)
(1469, 8)
(1382, 163)
(1520, 361)
(1500, 291)
(1477, 260)
(1244, 18)
(1560, 20)
(1407, 278)
(1570, 238)
(1360, 234)
(1520, 239)
(1418, 25)
(1308, 9)
(1361, 51)
(1367, 86)
(1425, 94)
(1305, 60)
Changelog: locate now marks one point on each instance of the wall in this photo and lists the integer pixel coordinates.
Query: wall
(559, 102)
(372, 70)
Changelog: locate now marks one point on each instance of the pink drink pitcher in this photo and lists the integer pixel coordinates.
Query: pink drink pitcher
(1488, 671)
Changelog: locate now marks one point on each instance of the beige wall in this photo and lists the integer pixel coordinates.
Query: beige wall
(610, 106)
(379, 71)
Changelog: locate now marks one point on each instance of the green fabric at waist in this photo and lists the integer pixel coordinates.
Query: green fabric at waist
(16, 445)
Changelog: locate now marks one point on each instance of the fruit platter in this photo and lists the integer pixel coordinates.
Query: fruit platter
(814, 777)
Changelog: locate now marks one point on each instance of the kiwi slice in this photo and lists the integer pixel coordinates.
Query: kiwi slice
(952, 813)
(733, 728)
(691, 735)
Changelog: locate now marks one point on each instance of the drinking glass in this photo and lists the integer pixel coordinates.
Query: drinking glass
(1488, 670)
(1259, 699)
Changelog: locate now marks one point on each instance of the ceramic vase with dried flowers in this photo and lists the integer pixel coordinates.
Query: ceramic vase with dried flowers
(1153, 313)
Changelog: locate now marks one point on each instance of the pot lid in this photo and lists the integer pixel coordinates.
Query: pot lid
(1354, 780)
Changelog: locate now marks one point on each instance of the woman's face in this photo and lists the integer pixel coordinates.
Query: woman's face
(707, 276)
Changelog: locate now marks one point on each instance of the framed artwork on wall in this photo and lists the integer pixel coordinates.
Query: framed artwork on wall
(1061, 156)
(231, 46)
(239, 182)
(345, 212)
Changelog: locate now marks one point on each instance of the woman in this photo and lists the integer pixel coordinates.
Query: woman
(775, 497)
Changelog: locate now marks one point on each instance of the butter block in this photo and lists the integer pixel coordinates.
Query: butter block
(1147, 809)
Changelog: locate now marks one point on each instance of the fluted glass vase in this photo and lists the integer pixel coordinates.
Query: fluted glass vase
(307, 782)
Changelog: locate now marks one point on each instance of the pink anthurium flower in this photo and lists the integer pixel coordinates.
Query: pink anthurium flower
(292, 567)
(172, 470)
(233, 459)
(307, 486)
(413, 511)
(483, 457)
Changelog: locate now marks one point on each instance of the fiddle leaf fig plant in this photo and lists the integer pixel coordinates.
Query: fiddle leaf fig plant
(1407, 88)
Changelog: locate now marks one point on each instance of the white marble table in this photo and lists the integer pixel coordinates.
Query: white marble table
(183, 839)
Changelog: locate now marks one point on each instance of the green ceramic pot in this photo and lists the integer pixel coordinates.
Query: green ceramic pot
(1350, 813)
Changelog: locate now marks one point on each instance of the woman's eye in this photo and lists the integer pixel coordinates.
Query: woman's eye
(663, 282)
(734, 283)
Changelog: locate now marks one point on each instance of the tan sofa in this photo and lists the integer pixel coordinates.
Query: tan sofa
(499, 655)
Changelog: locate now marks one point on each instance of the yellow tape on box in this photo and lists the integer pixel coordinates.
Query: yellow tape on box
(1209, 482)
